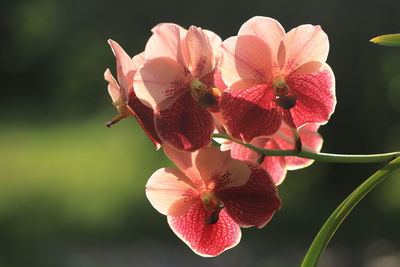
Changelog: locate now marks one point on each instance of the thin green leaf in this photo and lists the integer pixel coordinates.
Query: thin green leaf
(387, 40)
(337, 217)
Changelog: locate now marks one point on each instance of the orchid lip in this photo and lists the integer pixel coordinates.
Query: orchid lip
(203, 95)
(280, 86)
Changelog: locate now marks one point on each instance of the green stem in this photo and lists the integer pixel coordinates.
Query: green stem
(338, 158)
(337, 217)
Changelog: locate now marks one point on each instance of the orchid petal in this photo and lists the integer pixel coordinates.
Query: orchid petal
(274, 165)
(218, 167)
(315, 96)
(311, 141)
(198, 52)
(240, 152)
(125, 67)
(160, 79)
(267, 29)
(250, 112)
(245, 57)
(138, 60)
(166, 42)
(303, 44)
(253, 203)
(145, 117)
(308, 67)
(184, 124)
(167, 187)
(113, 88)
(204, 239)
(218, 82)
(215, 42)
(185, 161)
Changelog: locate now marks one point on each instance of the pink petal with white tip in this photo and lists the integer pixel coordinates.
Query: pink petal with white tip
(168, 187)
(303, 44)
(160, 80)
(245, 57)
(267, 29)
(253, 203)
(316, 98)
(207, 240)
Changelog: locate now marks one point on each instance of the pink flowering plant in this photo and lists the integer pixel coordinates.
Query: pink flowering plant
(233, 116)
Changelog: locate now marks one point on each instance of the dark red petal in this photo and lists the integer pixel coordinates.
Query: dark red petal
(315, 96)
(250, 112)
(145, 116)
(184, 124)
(253, 203)
(205, 239)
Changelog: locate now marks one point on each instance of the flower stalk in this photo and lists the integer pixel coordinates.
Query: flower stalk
(325, 157)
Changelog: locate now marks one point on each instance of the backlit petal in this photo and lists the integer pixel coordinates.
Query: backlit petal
(215, 42)
(274, 165)
(240, 152)
(184, 124)
(311, 141)
(113, 87)
(303, 44)
(160, 79)
(168, 186)
(125, 67)
(145, 116)
(185, 161)
(267, 29)
(138, 60)
(250, 112)
(166, 42)
(316, 98)
(204, 239)
(245, 57)
(198, 52)
(254, 203)
(218, 167)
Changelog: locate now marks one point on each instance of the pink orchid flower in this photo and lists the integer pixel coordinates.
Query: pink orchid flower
(123, 94)
(210, 197)
(177, 81)
(274, 76)
(277, 166)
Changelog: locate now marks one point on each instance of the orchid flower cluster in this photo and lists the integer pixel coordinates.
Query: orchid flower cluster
(263, 87)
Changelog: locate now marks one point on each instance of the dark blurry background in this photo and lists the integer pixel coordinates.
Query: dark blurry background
(72, 191)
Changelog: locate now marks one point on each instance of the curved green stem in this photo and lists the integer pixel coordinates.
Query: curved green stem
(337, 217)
(338, 158)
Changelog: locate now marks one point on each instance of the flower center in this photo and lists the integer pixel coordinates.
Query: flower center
(281, 91)
(212, 206)
(203, 95)
(280, 87)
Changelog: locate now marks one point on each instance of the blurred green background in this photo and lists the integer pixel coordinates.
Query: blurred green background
(72, 191)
